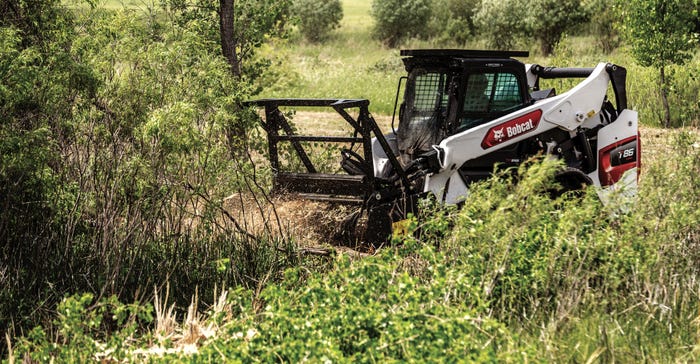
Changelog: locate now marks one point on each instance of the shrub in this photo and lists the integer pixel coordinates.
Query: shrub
(453, 21)
(603, 18)
(548, 20)
(396, 20)
(660, 34)
(500, 22)
(317, 18)
(115, 158)
(513, 276)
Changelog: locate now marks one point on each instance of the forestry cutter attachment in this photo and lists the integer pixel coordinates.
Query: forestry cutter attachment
(357, 180)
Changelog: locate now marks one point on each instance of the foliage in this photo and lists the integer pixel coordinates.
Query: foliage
(317, 18)
(397, 20)
(255, 22)
(117, 130)
(512, 276)
(453, 20)
(500, 22)
(116, 151)
(41, 86)
(659, 33)
(548, 20)
(397, 306)
(645, 94)
(80, 322)
(603, 17)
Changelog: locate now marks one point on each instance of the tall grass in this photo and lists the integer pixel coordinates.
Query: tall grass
(513, 276)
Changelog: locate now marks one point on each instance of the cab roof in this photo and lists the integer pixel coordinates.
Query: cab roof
(461, 53)
(459, 58)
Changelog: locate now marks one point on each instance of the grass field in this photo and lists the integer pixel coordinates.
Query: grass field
(349, 65)
(116, 4)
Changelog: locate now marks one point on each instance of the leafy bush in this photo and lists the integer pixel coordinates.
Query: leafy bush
(397, 20)
(501, 23)
(116, 155)
(603, 18)
(659, 33)
(405, 305)
(317, 18)
(645, 96)
(548, 20)
(453, 20)
(512, 276)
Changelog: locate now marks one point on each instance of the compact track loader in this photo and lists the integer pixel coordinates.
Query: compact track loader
(463, 113)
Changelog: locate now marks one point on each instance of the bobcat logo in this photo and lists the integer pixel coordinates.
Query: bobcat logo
(498, 134)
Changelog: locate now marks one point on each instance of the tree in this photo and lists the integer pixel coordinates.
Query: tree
(42, 86)
(548, 20)
(240, 27)
(396, 20)
(500, 22)
(317, 18)
(660, 33)
(604, 16)
(453, 20)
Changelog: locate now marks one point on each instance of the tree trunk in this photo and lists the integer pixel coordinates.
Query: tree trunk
(664, 98)
(226, 30)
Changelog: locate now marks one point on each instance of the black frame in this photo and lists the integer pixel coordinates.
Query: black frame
(324, 186)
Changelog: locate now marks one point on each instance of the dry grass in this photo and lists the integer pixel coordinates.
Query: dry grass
(656, 142)
(312, 223)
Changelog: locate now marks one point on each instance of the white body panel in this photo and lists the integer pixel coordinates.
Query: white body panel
(577, 107)
(626, 126)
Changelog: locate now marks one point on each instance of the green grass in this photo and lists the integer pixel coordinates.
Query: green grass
(115, 4)
(567, 280)
(514, 276)
(350, 65)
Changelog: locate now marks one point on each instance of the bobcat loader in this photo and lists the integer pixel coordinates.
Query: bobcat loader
(463, 113)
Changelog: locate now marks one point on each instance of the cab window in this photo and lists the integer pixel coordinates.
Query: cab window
(487, 96)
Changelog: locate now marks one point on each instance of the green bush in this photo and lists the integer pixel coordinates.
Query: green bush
(317, 18)
(453, 21)
(116, 149)
(645, 96)
(501, 22)
(603, 18)
(397, 20)
(549, 20)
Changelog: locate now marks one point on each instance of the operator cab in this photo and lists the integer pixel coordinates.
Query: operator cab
(450, 91)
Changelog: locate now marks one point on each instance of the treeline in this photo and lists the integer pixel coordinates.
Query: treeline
(504, 24)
